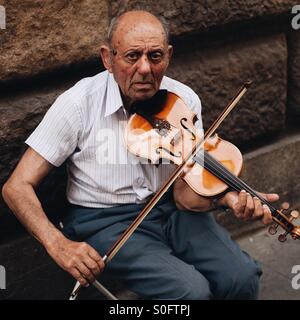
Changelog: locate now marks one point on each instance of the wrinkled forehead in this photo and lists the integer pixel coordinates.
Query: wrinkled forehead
(139, 34)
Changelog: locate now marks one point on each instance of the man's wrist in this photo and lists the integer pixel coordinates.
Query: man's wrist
(54, 238)
(219, 203)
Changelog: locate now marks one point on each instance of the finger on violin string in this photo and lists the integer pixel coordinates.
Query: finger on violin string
(269, 196)
(267, 218)
(242, 201)
(249, 209)
(258, 209)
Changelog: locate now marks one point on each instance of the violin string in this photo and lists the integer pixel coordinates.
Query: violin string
(224, 174)
(238, 182)
(221, 176)
(238, 186)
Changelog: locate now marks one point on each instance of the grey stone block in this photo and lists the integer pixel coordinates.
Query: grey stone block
(46, 35)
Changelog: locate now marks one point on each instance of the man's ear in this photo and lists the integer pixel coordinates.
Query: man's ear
(170, 51)
(106, 57)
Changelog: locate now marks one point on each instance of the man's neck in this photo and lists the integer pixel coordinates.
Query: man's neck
(127, 103)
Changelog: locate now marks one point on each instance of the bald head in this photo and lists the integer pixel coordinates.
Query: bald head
(131, 20)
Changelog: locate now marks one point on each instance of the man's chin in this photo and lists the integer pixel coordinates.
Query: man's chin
(144, 95)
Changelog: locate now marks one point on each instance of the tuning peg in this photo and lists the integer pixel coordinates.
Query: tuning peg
(285, 205)
(282, 237)
(273, 229)
(294, 215)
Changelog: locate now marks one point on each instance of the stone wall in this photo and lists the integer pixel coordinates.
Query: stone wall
(193, 16)
(44, 35)
(48, 46)
(294, 73)
(217, 74)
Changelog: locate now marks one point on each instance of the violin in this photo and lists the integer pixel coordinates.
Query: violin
(163, 129)
(169, 133)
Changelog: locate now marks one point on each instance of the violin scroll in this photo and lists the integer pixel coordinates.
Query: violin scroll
(286, 223)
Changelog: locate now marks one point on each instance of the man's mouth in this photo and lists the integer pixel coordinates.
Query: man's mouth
(142, 84)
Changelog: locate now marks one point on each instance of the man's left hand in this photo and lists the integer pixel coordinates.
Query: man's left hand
(246, 207)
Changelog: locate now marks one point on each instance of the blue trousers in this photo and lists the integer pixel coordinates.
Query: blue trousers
(172, 255)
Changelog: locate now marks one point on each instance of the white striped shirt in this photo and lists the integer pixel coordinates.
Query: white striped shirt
(76, 129)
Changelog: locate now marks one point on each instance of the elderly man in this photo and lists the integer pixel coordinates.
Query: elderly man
(175, 253)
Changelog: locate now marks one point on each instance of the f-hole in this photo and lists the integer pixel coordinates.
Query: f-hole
(186, 128)
(158, 150)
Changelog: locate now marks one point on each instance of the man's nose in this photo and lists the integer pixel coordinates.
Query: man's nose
(144, 66)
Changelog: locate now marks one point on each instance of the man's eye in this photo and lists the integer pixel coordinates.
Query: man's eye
(156, 56)
(132, 56)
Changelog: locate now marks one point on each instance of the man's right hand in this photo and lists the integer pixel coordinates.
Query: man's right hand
(78, 258)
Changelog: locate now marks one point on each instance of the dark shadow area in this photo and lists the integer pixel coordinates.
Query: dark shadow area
(54, 78)
(233, 33)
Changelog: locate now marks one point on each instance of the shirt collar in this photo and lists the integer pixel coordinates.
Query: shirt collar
(114, 99)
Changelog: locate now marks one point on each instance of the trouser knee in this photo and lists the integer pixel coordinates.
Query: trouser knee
(242, 284)
(247, 287)
(199, 290)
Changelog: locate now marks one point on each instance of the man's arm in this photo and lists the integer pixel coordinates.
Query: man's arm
(78, 258)
(187, 199)
(242, 204)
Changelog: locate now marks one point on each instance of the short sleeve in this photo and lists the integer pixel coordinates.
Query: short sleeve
(56, 137)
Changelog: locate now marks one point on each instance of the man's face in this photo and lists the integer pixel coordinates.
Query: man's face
(139, 57)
